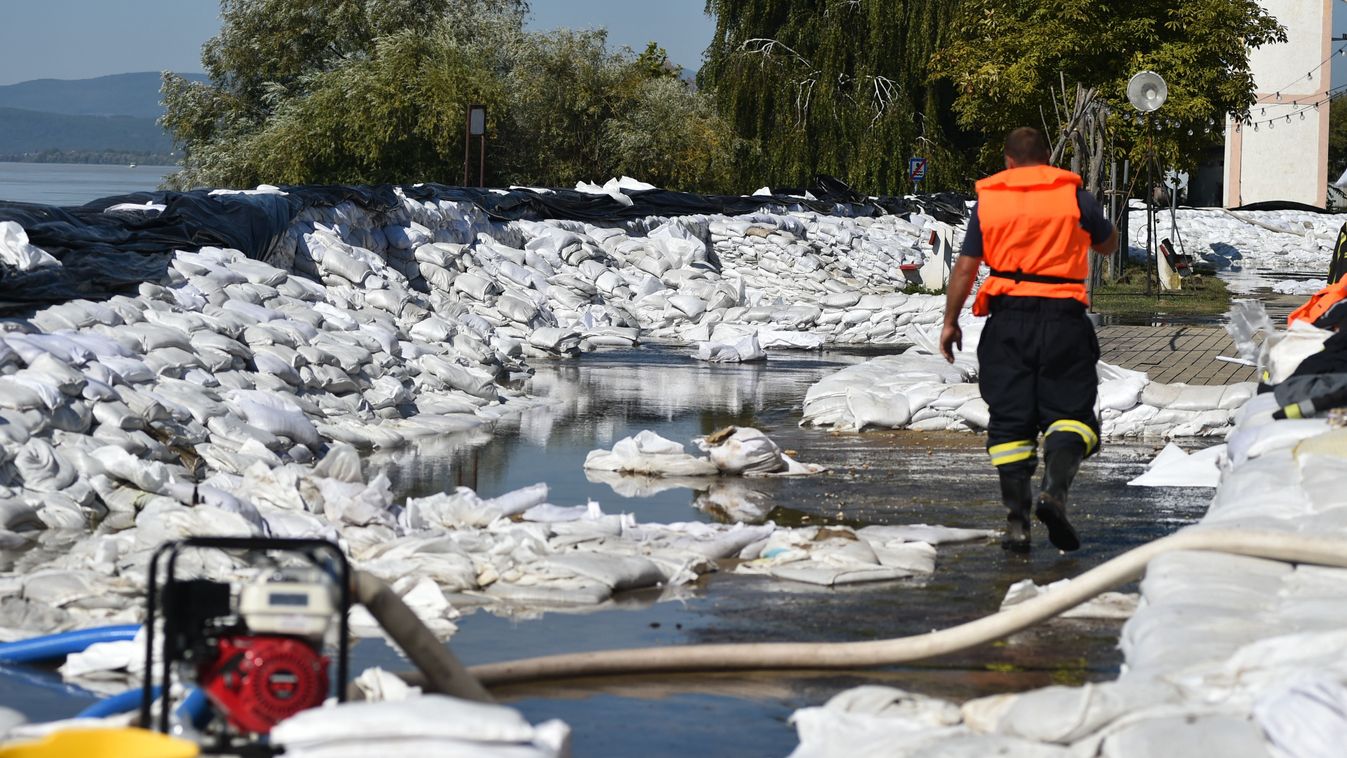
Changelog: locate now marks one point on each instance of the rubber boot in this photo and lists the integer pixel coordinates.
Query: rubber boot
(1018, 495)
(1059, 469)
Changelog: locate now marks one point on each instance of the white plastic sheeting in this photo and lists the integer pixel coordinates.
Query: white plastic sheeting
(1173, 467)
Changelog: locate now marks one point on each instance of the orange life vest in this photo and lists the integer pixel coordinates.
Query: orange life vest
(1031, 236)
(1319, 303)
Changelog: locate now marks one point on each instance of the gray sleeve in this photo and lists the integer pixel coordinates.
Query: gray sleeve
(1092, 218)
(972, 239)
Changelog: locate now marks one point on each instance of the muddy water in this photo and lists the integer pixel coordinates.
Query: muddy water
(876, 478)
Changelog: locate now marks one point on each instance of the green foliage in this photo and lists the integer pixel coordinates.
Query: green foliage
(368, 91)
(1005, 56)
(838, 87)
(1337, 138)
(696, 156)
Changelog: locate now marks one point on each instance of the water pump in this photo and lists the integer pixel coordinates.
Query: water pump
(257, 649)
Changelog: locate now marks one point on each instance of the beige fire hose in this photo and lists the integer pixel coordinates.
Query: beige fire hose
(440, 671)
(785, 656)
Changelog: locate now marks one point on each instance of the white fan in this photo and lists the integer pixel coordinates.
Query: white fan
(1147, 91)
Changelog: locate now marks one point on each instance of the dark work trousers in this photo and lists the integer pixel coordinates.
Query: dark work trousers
(1036, 370)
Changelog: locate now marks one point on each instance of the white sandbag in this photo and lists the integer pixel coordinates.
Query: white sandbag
(273, 414)
(342, 263)
(149, 476)
(17, 251)
(19, 395)
(784, 340)
(475, 286)
(650, 454)
(467, 379)
(42, 468)
(742, 349)
(744, 451)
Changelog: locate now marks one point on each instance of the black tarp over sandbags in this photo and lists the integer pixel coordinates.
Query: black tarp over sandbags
(107, 247)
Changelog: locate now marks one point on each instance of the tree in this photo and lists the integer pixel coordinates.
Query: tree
(365, 91)
(578, 111)
(839, 87)
(271, 54)
(1337, 138)
(1006, 56)
(672, 137)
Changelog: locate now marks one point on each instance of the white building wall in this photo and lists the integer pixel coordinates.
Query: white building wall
(1285, 160)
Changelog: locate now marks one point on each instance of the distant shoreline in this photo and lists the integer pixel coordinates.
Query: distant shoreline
(91, 158)
(6, 161)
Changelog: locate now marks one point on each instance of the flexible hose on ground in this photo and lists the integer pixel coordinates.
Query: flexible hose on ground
(784, 656)
(51, 647)
(443, 672)
(122, 702)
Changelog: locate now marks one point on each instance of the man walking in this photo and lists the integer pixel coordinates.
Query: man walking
(1033, 225)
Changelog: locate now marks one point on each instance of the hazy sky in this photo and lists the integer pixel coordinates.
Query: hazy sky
(75, 39)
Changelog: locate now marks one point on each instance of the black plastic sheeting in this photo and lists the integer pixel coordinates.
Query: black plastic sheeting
(1283, 205)
(105, 253)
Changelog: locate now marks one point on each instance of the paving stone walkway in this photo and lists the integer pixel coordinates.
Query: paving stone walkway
(1174, 353)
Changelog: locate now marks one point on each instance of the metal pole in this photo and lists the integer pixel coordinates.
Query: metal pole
(467, 142)
(1150, 226)
(1113, 214)
(481, 161)
(1125, 230)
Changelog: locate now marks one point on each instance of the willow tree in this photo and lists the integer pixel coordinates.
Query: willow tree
(839, 87)
(1005, 57)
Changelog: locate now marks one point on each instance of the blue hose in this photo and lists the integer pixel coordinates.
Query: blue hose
(122, 702)
(195, 707)
(52, 647)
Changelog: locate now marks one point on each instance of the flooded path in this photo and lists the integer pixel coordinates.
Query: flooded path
(876, 478)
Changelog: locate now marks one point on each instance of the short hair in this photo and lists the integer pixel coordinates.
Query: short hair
(1027, 145)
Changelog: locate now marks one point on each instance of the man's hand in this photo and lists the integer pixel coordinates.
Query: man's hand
(951, 339)
(960, 284)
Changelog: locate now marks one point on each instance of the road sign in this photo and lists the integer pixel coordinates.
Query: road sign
(916, 169)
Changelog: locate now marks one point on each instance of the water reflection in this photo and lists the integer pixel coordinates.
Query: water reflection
(595, 401)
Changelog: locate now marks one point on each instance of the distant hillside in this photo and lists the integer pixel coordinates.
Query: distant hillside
(24, 131)
(116, 95)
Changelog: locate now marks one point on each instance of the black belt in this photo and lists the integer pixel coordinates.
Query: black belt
(1021, 276)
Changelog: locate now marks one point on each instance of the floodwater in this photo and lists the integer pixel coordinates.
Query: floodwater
(75, 183)
(876, 478)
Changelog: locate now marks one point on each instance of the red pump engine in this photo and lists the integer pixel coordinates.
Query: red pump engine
(259, 681)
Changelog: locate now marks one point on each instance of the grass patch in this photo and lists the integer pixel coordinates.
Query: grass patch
(1200, 296)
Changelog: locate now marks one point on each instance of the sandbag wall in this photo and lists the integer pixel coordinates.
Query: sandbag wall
(232, 395)
(1226, 655)
(919, 390)
(553, 284)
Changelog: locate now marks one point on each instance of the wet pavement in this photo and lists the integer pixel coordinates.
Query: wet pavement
(876, 478)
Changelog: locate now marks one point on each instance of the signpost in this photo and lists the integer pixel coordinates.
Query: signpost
(916, 171)
(475, 127)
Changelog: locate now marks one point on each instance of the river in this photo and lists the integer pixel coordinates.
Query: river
(75, 183)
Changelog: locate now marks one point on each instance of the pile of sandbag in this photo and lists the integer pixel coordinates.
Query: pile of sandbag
(919, 390)
(557, 285)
